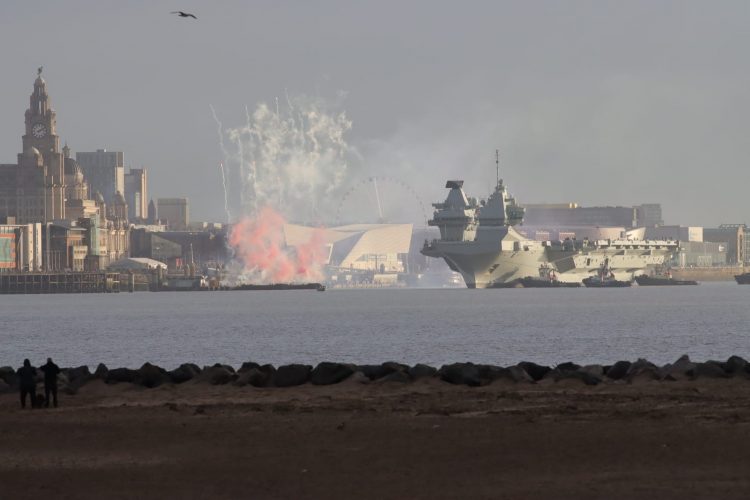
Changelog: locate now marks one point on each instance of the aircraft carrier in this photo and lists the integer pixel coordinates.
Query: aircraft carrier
(478, 240)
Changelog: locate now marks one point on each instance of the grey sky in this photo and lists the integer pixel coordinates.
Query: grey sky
(595, 102)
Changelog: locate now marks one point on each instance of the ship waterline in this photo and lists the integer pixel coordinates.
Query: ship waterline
(479, 241)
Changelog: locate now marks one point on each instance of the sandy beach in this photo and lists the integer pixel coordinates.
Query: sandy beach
(424, 439)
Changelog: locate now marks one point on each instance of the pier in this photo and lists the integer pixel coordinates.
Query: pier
(36, 283)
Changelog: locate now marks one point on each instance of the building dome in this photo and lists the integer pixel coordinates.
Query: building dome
(99, 198)
(72, 168)
(32, 152)
(119, 199)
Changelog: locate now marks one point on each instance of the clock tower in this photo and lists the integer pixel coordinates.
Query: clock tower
(41, 130)
(41, 180)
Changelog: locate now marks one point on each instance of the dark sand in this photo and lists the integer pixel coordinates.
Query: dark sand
(427, 439)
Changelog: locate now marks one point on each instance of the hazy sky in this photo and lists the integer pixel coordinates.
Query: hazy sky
(596, 102)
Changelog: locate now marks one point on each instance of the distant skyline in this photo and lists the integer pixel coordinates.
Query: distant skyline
(594, 102)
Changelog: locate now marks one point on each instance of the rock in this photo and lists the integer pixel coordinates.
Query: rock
(619, 370)
(595, 370)
(461, 374)
(393, 366)
(76, 374)
(358, 378)
(586, 377)
(76, 377)
(290, 375)
(373, 372)
(490, 373)
(419, 371)
(183, 373)
(568, 366)
(518, 374)
(121, 375)
(261, 376)
(8, 375)
(736, 365)
(643, 370)
(247, 366)
(677, 370)
(535, 371)
(246, 376)
(229, 368)
(4, 388)
(396, 376)
(709, 369)
(152, 376)
(101, 371)
(330, 373)
(216, 375)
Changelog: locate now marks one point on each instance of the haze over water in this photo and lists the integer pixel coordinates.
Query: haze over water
(371, 326)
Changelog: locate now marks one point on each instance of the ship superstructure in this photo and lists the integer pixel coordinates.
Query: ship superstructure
(479, 240)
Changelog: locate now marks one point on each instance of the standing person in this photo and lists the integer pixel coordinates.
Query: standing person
(50, 381)
(27, 379)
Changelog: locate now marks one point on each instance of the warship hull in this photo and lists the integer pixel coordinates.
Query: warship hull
(483, 266)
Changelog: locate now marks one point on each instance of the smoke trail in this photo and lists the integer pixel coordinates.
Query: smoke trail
(225, 153)
(226, 199)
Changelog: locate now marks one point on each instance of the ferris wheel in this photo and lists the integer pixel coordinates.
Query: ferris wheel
(381, 199)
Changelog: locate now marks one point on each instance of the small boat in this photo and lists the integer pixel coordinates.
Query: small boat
(663, 280)
(547, 279)
(742, 279)
(605, 278)
(596, 282)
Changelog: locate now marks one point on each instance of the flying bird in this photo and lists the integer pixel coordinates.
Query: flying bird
(183, 14)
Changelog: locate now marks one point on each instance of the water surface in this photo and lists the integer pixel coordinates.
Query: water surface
(368, 326)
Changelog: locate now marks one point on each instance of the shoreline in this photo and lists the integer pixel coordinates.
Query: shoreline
(428, 438)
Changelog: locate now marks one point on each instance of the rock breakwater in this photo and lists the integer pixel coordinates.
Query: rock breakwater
(328, 373)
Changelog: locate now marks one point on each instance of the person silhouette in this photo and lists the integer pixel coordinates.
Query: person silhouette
(27, 385)
(50, 381)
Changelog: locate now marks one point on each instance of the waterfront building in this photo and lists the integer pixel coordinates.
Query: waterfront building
(358, 253)
(52, 218)
(733, 236)
(700, 254)
(176, 248)
(572, 214)
(152, 217)
(33, 189)
(136, 194)
(173, 212)
(678, 233)
(105, 172)
(20, 246)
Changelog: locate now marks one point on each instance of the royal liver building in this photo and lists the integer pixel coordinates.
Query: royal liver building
(46, 194)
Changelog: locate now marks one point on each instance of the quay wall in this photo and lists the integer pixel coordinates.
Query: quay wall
(724, 273)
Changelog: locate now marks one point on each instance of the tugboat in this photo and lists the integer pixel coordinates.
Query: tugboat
(742, 279)
(605, 278)
(547, 279)
(659, 278)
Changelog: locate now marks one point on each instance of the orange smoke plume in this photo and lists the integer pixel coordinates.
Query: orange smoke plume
(258, 242)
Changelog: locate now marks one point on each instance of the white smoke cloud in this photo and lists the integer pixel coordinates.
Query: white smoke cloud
(292, 158)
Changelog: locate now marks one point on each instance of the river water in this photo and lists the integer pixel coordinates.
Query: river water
(504, 326)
